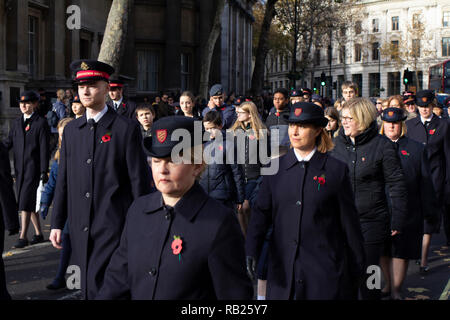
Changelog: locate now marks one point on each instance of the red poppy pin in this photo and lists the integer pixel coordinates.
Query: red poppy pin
(320, 181)
(221, 148)
(432, 131)
(277, 114)
(106, 138)
(177, 246)
(404, 152)
(27, 128)
(298, 112)
(251, 137)
(123, 105)
(161, 135)
(363, 159)
(223, 109)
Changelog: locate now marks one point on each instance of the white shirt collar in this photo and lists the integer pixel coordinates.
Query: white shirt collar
(308, 157)
(118, 103)
(423, 119)
(98, 116)
(25, 117)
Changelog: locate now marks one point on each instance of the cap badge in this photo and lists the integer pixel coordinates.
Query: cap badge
(424, 99)
(391, 113)
(298, 112)
(23, 98)
(161, 135)
(84, 66)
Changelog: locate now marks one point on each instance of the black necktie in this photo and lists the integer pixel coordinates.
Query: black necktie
(304, 164)
(427, 123)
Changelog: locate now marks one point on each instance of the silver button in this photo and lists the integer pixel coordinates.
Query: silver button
(85, 229)
(88, 161)
(353, 161)
(299, 203)
(152, 272)
(88, 194)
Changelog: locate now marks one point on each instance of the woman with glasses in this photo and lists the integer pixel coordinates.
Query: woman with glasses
(375, 172)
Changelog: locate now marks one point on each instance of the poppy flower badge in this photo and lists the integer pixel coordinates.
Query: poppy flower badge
(405, 153)
(106, 138)
(177, 246)
(277, 114)
(432, 131)
(27, 128)
(320, 181)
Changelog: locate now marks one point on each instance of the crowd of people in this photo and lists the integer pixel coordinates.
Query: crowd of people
(360, 183)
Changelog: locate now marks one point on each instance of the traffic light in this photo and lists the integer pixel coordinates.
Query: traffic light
(322, 79)
(407, 77)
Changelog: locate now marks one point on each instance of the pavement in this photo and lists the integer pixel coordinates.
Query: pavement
(31, 269)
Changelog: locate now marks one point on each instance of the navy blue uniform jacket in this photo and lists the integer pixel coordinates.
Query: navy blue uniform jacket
(9, 218)
(211, 264)
(127, 108)
(31, 157)
(316, 248)
(436, 138)
(97, 182)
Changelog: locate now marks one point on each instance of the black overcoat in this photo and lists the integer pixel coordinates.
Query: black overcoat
(30, 145)
(374, 168)
(210, 266)
(436, 138)
(9, 219)
(127, 108)
(98, 179)
(316, 250)
(422, 201)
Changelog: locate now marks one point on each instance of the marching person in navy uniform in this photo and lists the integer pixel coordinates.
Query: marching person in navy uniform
(178, 243)
(434, 133)
(316, 250)
(422, 203)
(29, 138)
(8, 213)
(216, 103)
(119, 103)
(102, 169)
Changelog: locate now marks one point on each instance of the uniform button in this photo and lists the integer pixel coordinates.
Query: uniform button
(88, 161)
(152, 272)
(88, 194)
(354, 149)
(298, 203)
(303, 166)
(167, 216)
(353, 161)
(85, 229)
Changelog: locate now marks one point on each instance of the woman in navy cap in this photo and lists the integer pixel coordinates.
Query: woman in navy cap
(316, 250)
(422, 203)
(178, 243)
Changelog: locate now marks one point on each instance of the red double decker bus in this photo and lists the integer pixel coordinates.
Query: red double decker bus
(439, 77)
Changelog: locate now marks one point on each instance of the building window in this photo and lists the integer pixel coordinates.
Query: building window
(445, 47)
(342, 55)
(33, 45)
(357, 78)
(394, 47)
(358, 27)
(374, 84)
(375, 51)
(375, 25)
(148, 63)
(415, 48)
(357, 52)
(185, 72)
(446, 19)
(395, 22)
(393, 83)
(416, 20)
(317, 57)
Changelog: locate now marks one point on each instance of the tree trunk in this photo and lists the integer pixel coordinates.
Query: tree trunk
(208, 49)
(263, 47)
(115, 33)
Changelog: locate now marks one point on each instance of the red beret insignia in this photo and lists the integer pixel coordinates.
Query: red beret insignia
(390, 113)
(298, 112)
(424, 99)
(161, 135)
(23, 98)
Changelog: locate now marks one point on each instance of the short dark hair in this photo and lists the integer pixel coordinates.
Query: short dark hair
(213, 117)
(145, 106)
(283, 91)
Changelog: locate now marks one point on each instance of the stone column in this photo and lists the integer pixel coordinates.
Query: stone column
(225, 48)
(22, 36)
(172, 54)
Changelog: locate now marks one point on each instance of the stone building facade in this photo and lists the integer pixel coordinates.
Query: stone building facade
(382, 22)
(162, 52)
